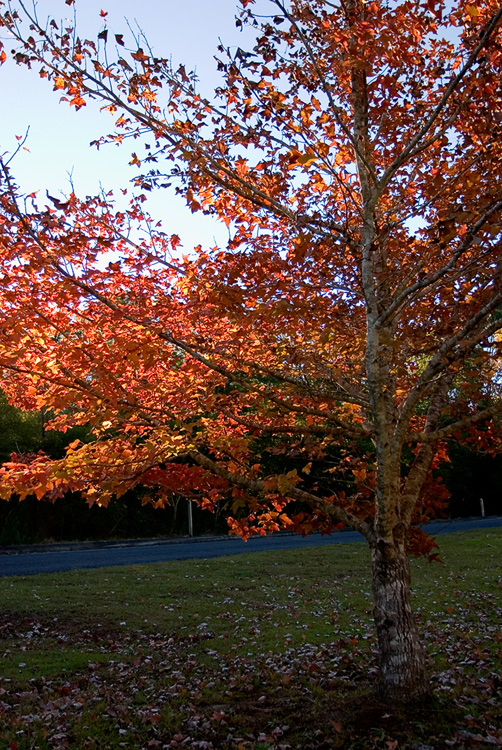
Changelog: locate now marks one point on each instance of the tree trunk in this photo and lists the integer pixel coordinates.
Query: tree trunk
(402, 658)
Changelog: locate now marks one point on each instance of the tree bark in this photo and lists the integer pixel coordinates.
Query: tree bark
(402, 658)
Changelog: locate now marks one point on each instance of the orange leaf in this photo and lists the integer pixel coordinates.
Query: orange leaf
(307, 159)
(472, 11)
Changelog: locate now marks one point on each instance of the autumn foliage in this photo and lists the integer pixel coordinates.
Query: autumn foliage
(311, 370)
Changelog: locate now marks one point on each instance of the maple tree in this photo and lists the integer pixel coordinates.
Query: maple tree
(352, 322)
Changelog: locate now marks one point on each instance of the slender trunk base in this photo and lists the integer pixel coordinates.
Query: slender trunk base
(402, 658)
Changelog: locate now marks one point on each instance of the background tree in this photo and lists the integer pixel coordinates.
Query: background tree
(20, 431)
(354, 154)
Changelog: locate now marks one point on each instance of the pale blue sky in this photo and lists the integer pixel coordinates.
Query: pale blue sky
(59, 137)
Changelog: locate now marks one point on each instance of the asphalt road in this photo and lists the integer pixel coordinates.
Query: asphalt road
(58, 558)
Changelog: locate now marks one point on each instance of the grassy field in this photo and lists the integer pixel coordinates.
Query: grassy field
(269, 650)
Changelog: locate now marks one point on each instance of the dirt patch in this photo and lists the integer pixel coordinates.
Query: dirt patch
(35, 628)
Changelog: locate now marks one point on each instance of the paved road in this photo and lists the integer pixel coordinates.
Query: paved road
(54, 559)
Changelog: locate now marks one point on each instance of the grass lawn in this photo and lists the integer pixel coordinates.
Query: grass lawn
(266, 650)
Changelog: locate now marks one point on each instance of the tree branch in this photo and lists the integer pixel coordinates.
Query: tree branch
(423, 459)
(337, 111)
(340, 431)
(444, 358)
(451, 429)
(256, 487)
(490, 27)
(441, 272)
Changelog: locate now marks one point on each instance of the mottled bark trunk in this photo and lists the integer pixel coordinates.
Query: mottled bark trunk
(402, 658)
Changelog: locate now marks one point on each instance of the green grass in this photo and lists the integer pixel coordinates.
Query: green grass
(21, 666)
(241, 647)
(294, 587)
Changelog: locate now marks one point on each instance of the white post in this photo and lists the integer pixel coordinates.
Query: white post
(482, 504)
(190, 519)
